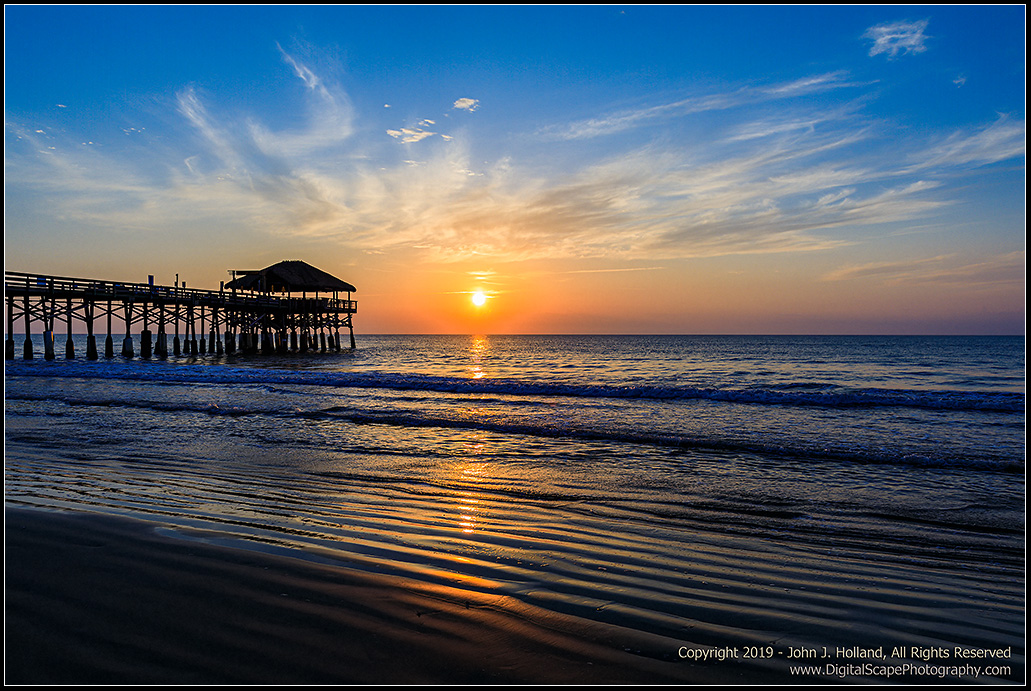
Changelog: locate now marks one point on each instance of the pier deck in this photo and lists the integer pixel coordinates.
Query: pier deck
(229, 321)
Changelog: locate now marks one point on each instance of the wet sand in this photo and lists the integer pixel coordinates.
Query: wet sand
(95, 599)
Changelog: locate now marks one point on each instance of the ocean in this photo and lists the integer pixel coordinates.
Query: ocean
(769, 493)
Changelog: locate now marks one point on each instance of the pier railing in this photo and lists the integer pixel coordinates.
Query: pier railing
(21, 284)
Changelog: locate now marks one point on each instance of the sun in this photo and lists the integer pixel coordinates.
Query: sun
(479, 298)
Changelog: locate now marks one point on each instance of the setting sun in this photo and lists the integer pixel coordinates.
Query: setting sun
(479, 298)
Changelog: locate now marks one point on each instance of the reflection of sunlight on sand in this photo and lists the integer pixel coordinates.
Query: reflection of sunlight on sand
(431, 574)
(470, 507)
(468, 504)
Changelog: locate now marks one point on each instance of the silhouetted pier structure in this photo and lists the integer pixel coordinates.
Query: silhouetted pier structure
(257, 312)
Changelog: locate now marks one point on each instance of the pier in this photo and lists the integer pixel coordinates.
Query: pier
(287, 307)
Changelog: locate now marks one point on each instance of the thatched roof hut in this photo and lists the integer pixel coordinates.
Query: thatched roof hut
(289, 277)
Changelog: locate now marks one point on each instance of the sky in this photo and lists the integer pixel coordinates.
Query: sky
(585, 169)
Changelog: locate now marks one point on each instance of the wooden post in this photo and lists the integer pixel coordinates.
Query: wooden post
(231, 323)
(350, 326)
(9, 342)
(89, 308)
(175, 341)
(48, 344)
(267, 347)
(162, 345)
(69, 347)
(109, 343)
(145, 335)
(127, 349)
(216, 333)
(191, 329)
(203, 342)
(27, 347)
(211, 332)
(48, 325)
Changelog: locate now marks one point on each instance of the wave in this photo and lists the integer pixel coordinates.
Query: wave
(811, 447)
(781, 448)
(786, 394)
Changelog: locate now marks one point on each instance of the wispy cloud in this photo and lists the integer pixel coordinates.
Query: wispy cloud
(897, 37)
(623, 120)
(808, 85)
(1001, 140)
(1005, 268)
(768, 181)
(616, 270)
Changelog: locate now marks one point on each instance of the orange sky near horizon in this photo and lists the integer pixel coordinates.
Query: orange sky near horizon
(748, 294)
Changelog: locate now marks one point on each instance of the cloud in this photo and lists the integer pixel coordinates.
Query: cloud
(807, 85)
(302, 71)
(1001, 140)
(469, 104)
(1007, 268)
(624, 120)
(410, 136)
(895, 37)
(329, 121)
(797, 178)
(786, 124)
(616, 270)
(645, 204)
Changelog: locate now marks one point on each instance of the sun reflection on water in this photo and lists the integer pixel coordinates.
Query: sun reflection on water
(479, 348)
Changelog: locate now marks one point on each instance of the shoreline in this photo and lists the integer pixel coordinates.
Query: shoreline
(93, 598)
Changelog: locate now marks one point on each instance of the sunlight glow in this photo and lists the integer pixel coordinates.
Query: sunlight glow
(479, 298)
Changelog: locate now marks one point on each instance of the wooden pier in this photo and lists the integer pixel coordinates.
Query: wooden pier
(257, 312)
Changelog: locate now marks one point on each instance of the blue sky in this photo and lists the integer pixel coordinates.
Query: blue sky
(592, 169)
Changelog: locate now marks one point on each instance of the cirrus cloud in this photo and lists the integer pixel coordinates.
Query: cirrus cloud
(793, 179)
(897, 37)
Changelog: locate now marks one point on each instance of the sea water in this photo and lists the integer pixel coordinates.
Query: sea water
(703, 488)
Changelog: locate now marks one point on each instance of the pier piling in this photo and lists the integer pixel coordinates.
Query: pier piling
(48, 345)
(91, 339)
(69, 347)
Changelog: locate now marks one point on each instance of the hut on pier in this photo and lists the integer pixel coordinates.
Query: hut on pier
(290, 277)
(319, 310)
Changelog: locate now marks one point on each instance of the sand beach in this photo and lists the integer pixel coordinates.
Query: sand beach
(93, 599)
